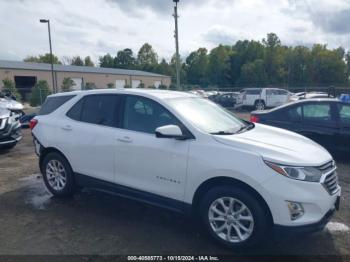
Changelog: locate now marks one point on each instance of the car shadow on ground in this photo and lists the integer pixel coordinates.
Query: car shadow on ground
(34, 222)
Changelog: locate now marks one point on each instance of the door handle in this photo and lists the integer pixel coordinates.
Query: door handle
(67, 128)
(125, 139)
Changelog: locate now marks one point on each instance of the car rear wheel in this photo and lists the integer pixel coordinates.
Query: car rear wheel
(233, 217)
(259, 105)
(58, 175)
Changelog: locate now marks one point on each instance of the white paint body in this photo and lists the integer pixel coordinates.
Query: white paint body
(138, 160)
(272, 97)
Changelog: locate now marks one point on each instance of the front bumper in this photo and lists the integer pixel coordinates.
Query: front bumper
(280, 230)
(10, 135)
(316, 201)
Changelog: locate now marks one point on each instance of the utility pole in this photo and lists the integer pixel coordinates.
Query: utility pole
(51, 56)
(178, 84)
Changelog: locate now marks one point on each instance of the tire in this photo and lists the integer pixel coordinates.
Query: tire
(58, 175)
(257, 227)
(259, 105)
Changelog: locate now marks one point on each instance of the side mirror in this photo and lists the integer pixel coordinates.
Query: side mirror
(169, 131)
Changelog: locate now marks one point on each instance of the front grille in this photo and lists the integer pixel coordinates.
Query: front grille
(330, 182)
(327, 167)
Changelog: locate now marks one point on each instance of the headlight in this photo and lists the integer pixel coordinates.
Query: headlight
(309, 174)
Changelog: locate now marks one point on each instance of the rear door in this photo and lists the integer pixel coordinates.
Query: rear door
(270, 98)
(283, 97)
(250, 96)
(319, 123)
(343, 138)
(88, 135)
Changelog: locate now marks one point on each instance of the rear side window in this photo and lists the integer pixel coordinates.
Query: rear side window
(282, 92)
(253, 91)
(96, 109)
(52, 103)
(295, 114)
(75, 111)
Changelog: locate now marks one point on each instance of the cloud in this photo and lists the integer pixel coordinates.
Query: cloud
(335, 23)
(95, 27)
(219, 35)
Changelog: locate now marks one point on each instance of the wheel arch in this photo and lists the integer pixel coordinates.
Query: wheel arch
(45, 151)
(224, 181)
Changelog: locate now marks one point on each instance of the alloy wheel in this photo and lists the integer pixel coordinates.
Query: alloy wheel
(231, 220)
(56, 175)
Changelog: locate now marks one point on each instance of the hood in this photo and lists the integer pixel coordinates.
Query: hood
(4, 113)
(279, 146)
(10, 104)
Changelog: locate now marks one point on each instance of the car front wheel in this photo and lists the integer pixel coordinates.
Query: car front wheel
(233, 217)
(58, 175)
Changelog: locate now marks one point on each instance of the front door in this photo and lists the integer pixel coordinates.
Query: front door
(144, 162)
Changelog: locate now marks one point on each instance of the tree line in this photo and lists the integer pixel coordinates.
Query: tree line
(247, 63)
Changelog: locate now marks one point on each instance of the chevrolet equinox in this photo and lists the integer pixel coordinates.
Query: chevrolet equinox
(185, 153)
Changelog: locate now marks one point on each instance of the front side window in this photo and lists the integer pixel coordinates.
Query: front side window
(206, 115)
(96, 109)
(344, 113)
(145, 115)
(317, 112)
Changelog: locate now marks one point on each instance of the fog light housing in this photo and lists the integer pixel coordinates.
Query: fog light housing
(296, 210)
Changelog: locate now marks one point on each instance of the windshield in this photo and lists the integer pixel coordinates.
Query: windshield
(207, 116)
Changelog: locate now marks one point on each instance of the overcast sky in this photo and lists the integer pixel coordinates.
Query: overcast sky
(95, 27)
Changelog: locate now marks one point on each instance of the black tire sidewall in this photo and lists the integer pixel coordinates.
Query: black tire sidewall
(259, 102)
(260, 215)
(70, 184)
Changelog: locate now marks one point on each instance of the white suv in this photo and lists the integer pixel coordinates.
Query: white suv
(185, 153)
(261, 98)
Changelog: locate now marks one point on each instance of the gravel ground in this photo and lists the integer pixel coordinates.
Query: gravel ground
(90, 223)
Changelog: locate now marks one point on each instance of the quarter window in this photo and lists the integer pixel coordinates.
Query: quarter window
(52, 103)
(144, 115)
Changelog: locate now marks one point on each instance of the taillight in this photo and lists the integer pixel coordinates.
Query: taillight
(254, 119)
(33, 123)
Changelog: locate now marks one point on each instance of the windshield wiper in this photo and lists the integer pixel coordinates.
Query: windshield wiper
(249, 126)
(222, 133)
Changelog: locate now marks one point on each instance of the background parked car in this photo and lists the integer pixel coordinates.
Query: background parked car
(226, 99)
(309, 95)
(261, 98)
(11, 104)
(326, 121)
(25, 120)
(10, 129)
